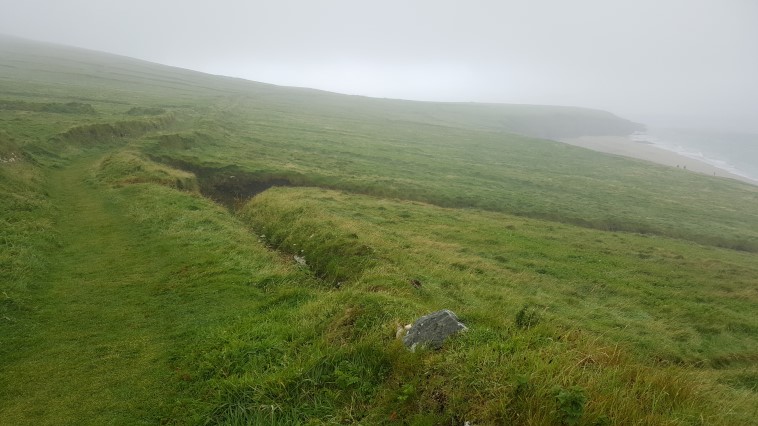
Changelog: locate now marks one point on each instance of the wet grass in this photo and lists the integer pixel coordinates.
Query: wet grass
(645, 305)
(598, 290)
(120, 298)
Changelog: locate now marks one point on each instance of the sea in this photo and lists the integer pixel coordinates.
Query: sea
(736, 153)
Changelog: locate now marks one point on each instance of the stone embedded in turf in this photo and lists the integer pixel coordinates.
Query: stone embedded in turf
(432, 330)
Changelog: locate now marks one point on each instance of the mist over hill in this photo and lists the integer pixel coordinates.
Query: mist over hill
(184, 248)
(42, 62)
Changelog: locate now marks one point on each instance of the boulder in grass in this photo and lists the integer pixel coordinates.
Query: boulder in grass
(432, 330)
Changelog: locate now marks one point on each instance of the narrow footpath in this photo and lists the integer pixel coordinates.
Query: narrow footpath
(98, 351)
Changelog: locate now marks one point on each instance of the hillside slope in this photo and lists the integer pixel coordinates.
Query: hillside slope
(39, 62)
(149, 219)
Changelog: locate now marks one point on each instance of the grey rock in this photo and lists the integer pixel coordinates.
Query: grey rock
(432, 330)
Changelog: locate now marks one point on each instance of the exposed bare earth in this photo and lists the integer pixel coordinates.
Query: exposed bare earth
(620, 145)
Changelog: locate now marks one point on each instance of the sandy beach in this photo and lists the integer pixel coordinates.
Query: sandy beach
(621, 145)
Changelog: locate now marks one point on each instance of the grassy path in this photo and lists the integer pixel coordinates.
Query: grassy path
(161, 307)
(98, 350)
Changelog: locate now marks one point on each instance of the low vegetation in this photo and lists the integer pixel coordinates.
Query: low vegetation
(201, 250)
(456, 167)
(55, 107)
(26, 232)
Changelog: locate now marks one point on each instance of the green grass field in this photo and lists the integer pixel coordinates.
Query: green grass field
(149, 219)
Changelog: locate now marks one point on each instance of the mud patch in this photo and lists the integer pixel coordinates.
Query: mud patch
(234, 190)
(228, 185)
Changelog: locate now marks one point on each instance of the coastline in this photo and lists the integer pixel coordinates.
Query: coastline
(624, 146)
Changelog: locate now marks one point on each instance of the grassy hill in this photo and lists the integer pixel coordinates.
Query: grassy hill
(150, 216)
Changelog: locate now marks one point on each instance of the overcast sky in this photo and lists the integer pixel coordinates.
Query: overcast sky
(642, 59)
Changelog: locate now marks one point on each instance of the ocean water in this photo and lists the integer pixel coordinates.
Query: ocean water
(736, 153)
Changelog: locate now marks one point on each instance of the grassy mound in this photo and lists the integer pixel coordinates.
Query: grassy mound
(90, 135)
(145, 111)
(128, 166)
(54, 107)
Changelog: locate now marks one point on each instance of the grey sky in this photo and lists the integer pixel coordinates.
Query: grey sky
(688, 60)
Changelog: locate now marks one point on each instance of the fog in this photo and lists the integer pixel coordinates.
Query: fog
(672, 62)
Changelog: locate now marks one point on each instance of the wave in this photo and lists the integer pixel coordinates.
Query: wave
(694, 154)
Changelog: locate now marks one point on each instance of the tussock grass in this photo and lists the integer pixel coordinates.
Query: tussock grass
(9, 149)
(486, 266)
(129, 166)
(27, 234)
(464, 168)
(146, 111)
(125, 295)
(54, 107)
(598, 290)
(102, 133)
(590, 279)
(333, 254)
